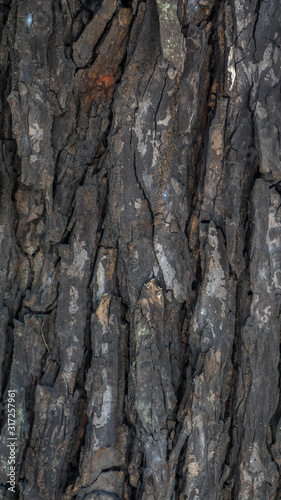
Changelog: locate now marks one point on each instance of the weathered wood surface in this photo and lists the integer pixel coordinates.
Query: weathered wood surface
(140, 254)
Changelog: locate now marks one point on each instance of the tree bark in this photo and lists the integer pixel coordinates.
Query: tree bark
(140, 260)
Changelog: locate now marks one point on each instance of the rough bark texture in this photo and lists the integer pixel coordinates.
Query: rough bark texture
(140, 254)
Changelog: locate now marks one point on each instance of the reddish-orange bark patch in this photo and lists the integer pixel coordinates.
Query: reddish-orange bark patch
(98, 86)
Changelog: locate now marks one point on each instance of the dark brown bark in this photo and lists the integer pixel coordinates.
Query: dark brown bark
(140, 250)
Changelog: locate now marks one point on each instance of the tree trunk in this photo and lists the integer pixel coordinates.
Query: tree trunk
(140, 260)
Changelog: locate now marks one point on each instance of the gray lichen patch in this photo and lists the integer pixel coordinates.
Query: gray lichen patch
(170, 33)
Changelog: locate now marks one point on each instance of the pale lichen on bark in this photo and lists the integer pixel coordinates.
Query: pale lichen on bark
(172, 41)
